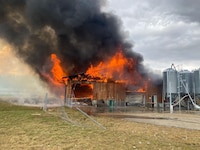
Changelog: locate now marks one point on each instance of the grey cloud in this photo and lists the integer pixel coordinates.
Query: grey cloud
(188, 10)
(162, 30)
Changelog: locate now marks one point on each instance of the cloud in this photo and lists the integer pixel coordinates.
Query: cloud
(162, 31)
(186, 10)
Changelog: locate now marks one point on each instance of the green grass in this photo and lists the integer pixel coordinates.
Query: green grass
(31, 128)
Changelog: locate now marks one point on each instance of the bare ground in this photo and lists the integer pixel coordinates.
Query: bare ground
(187, 120)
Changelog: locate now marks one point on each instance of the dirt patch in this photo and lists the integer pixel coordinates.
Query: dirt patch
(186, 120)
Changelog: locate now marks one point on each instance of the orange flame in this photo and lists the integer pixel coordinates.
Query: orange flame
(57, 70)
(144, 88)
(115, 66)
(141, 90)
(118, 68)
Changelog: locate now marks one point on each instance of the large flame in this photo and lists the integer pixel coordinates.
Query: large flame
(115, 68)
(57, 71)
(118, 68)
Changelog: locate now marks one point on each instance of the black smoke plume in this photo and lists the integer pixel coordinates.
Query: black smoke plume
(78, 31)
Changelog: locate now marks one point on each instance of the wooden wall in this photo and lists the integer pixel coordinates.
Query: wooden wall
(108, 91)
(101, 90)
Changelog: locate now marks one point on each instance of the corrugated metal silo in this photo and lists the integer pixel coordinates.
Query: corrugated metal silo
(186, 77)
(170, 81)
(196, 78)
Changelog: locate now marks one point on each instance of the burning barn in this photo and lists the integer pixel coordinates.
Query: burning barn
(84, 88)
(61, 38)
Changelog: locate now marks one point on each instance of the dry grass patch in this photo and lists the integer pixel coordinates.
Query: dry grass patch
(31, 128)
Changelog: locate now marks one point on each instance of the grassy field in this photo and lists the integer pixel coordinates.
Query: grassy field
(32, 128)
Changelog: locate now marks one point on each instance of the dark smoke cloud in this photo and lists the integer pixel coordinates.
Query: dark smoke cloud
(76, 30)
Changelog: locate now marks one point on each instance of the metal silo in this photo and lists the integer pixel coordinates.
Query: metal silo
(196, 79)
(170, 81)
(186, 81)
